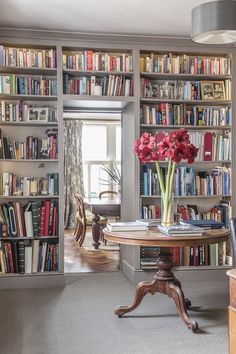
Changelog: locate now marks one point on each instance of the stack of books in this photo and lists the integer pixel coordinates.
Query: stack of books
(126, 226)
(181, 230)
(150, 222)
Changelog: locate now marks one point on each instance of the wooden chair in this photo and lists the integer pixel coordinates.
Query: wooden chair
(107, 192)
(84, 218)
(233, 239)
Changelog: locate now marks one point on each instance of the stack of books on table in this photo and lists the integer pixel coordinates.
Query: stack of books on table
(181, 230)
(126, 226)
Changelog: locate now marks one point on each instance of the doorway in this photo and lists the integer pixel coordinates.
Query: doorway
(100, 150)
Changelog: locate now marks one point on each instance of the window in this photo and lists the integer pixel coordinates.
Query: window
(101, 146)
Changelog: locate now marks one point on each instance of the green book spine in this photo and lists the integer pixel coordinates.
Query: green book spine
(21, 257)
(36, 218)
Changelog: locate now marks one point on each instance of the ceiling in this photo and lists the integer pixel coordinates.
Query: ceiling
(136, 17)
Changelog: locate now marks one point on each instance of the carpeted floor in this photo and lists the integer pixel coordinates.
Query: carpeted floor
(86, 258)
(79, 319)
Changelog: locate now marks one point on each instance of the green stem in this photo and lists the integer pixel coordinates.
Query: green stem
(172, 178)
(160, 177)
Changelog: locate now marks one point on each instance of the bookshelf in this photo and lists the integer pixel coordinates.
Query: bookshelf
(173, 97)
(129, 106)
(30, 196)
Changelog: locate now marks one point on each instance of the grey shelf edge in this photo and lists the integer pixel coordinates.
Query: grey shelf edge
(28, 238)
(28, 124)
(29, 197)
(190, 268)
(29, 274)
(98, 98)
(28, 97)
(201, 102)
(184, 76)
(28, 71)
(187, 127)
(29, 160)
(97, 72)
(190, 196)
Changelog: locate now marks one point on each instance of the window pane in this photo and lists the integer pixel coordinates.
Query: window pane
(94, 143)
(99, 179)
(118, 143)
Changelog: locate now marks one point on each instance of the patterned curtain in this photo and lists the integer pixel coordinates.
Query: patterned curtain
(73, 169)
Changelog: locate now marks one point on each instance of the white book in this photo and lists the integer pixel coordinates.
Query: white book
(35, 256)
(28, 259)
(126, 226)
(5, 182)
(29, 222)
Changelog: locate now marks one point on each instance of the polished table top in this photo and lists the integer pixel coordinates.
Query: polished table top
(153, 237)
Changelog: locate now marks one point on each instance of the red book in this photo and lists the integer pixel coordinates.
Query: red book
(89, 60)
(159, 137)
(54, 222)
(207, 148)
(9, 256)
(176, 256)
(42, 221)
(4, 230)
(47, 215)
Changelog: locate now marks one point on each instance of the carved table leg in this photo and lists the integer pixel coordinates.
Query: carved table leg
(164, 282)
(96, 232)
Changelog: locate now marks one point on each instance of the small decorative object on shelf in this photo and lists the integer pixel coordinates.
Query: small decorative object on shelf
(175, 147)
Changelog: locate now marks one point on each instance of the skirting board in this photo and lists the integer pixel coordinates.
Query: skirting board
(32, 282)
(193, 275)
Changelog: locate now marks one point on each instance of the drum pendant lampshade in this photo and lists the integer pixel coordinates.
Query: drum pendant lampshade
(214, 22)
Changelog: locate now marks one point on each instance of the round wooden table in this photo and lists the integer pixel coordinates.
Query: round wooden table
(164, 281)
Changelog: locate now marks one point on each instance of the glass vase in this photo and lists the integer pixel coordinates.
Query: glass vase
(167, 209)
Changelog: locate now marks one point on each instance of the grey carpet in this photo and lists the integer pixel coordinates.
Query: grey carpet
(79, 319)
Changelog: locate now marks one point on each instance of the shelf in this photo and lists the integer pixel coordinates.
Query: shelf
(28, 71)
(83, 101)
(29, 123)
(194, 102)
(13, 197)
(29, 274)
(189, 196)
(74, 72)
(187, 77)
(187, 127)
(28, 238)
(29, 160)
(190, 268)
(192, 164)
(28, 97)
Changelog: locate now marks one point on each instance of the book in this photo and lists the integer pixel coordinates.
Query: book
(181, 230)
(126, 226)
(150, 222)
(203, 223)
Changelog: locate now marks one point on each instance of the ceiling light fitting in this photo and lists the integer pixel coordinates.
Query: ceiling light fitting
(214, 22)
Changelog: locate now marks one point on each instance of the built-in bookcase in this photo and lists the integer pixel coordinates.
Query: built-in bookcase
(29, 179)
(191, 91)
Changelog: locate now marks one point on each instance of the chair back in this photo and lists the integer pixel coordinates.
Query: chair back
(233, 239)
(81, 220)
(101, 194)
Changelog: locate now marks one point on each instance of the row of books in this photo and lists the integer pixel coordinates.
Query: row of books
(206, 255)
(184, 90)
(220, 212)
(32, 148)
(98, 61)
(11, 185)
(21, 111)
(112, 85)
(28, 57)
(212, 146)
(34, 219)
(180, 114)
(150, 212)
(28, 257)
(184, 64)
(188, 181)
(11, 84)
